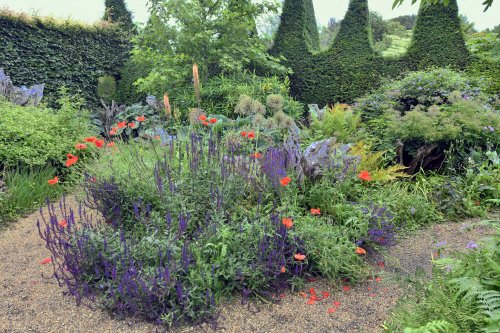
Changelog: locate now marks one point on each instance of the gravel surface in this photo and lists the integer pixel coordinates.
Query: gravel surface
(30, 301)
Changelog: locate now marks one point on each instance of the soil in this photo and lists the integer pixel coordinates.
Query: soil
(31, 301)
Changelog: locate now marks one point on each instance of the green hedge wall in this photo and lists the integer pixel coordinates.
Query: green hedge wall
(34, 50)
(350, 68)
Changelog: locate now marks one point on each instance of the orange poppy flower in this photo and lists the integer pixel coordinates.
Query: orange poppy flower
(90, 139)
(256, 155)
(365, 175)
(140, 118)
(202, 117)
(112, 132)
(205, 123)
(132, 125)
(299, 256)
(360, 250)
(46, 261)
(243, 134)
(115, 129)
(213, 120)
(315, 211)
(110, 144)
(99, 143)
(287, 222)
(285, 181)
(251, 135)
(63, 223)
(122, 124)
(311, 301)
(72, 159)
(53, 181)
(312, 291)
(81, 146)
(283, 269)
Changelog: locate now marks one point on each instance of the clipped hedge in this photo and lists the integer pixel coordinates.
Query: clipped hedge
(351, 68)
(35, 50)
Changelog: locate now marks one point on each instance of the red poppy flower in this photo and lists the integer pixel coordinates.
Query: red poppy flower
(303, 294)
(299, 256)
(283, 269)
(285, 181)
(243, 134)
(315, 211)
(311, 302)
(251, 135)
(90, 139)
(122, 124)
(132, 124)
(53, 181)
(213, 120)
(99, 143)
(360, 251)
(63, 223)
(110, 144)
(346, 288)
(365, 175)
(378, 279)
(202, 117)
(326, 294)
(205, 123)
(287, 222)
(331, 310)
(140, 118)
(114, 129)
(72, 159)
(112, 132)
(336, 304)
(312, 291)
(256, 155)
(369, 288)
(46, 261)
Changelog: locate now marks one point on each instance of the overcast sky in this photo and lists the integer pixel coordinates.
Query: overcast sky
(92, 10)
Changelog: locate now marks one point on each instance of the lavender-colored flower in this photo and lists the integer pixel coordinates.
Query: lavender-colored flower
(471, 245)
(440, 244)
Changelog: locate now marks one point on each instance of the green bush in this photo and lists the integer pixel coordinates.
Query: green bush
(32, 136)
(35, 50)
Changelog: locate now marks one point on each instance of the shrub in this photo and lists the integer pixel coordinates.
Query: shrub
(33, 136)
(106, 88)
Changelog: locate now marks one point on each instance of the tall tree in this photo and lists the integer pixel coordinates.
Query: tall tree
(116, 11)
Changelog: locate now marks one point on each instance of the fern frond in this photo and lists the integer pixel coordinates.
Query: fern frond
(435, 326)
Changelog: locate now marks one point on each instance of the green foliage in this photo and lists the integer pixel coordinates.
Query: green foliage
(182, 33)
(81, 55)
(339, 121)
(463, 296)
(106, 88)
(115, 11)
(485, 45)
(350, 68)
(487, 70)
(25, 190)
(33, 136)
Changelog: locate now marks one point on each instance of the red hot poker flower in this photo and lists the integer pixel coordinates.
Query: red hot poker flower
(315, 211)
(80, 146)
(365, 175)
(140, 118)
(285, 181)
(122, 124)
(213, 120)
(99, 143)
(90, 139)
(53, 181)
(46, 261)
(287, 222)
(299, 256)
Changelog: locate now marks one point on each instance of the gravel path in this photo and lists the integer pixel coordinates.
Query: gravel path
(31, 303)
